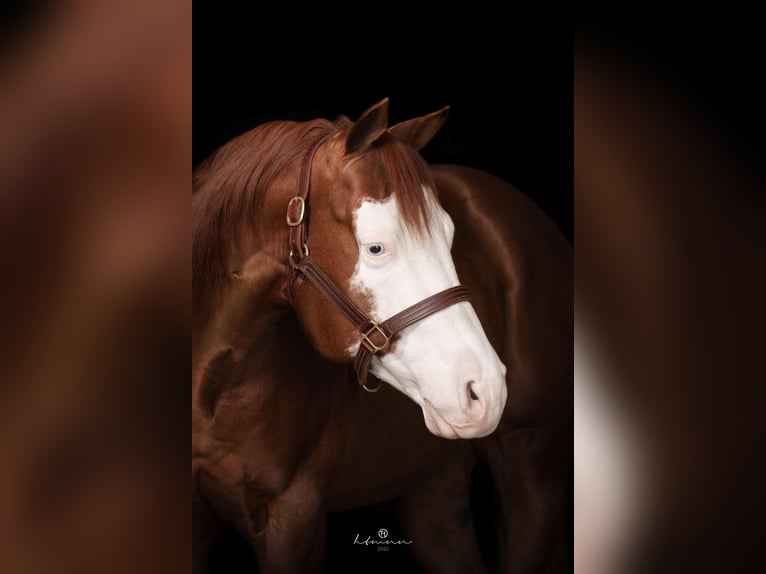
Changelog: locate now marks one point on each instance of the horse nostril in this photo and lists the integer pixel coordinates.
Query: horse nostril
(471, 393)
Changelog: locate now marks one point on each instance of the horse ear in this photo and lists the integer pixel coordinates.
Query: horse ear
(418, 132)
(369, 127)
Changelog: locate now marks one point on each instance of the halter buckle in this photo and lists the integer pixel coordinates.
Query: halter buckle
(305, 251)
(295, 222)
(374, 389)
(366, 337)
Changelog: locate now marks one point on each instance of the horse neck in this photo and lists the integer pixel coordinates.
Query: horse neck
(242, 318)
(253, 294)
(243, 313)
(253, 347)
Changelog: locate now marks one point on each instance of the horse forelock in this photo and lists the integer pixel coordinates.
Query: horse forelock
(408, 177)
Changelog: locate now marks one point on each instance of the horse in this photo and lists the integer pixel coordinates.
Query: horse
(444, 283)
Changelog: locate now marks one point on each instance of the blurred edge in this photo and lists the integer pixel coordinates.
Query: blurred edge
(669, 212)
(95, 109)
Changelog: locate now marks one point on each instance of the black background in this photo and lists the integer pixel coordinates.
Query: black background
(510, 90)
(510, 87)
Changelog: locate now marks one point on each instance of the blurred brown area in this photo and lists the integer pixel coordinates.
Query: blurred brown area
(671, 244)
(95, 143)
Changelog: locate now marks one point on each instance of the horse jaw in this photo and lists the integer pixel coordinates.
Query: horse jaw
(445, 360)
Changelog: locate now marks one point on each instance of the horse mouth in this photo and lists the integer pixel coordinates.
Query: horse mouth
(439, 426)
(436, 423)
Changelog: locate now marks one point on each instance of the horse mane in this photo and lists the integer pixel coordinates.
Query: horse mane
(228, 187)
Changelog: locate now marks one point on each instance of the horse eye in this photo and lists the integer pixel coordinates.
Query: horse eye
(375, 249)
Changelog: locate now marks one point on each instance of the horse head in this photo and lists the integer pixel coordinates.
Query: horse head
(379, 233)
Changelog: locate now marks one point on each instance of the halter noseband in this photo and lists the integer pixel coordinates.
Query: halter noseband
(375, 336)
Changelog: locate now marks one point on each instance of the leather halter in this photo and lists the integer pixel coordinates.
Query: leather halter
(375, 336)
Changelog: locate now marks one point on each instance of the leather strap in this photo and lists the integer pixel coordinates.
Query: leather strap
(298, 208)
(311, 271)
(394, 325)
(426, 307)
(375, 337)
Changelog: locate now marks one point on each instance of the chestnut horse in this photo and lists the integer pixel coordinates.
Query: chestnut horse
(282, 435)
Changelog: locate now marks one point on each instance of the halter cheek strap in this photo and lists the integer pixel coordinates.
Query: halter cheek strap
(375, 337)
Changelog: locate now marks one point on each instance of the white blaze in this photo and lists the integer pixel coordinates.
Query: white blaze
(440, 360)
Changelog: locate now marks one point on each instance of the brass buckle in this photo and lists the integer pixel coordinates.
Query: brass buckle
(301, 212)
(305, 251)
(366, 337)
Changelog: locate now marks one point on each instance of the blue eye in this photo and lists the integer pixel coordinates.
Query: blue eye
(376, 249)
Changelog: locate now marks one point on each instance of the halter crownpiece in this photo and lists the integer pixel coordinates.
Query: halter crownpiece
(375, 337)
